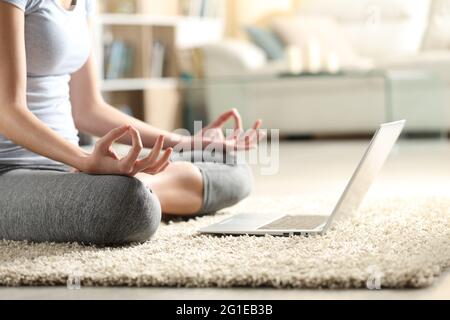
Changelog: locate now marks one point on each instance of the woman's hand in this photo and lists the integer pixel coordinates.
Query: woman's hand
(104, 160)
(238, 140)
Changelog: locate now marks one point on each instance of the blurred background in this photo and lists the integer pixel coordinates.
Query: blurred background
(311, 68)
(326, 73)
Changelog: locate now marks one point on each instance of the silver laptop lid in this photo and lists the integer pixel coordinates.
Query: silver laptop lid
(376, 155)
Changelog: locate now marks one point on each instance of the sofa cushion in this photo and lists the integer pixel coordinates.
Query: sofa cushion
(268, 41)
(438, 33)
(303, 31)
(377, 28)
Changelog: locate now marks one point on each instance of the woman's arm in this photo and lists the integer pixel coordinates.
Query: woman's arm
(22, 127)
(17, 123)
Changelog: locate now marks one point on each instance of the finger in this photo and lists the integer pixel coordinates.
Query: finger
(221, 120)
(252, 139)
(113, 154)
(129, 161)
(257, 125)
(239, 129)
(165, 162)
(249, 141)
(254, 134)
(236, 134)
(238, 126)
(161, 163)
(165, 159)
(164, 168)
(152, 157)
(215, 134)
(106, 141)
(158, 171)
(251, 135)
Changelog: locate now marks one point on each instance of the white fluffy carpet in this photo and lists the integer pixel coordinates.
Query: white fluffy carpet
(403, 242)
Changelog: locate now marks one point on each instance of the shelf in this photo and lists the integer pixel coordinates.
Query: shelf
(191, 32)
(137, 19)
(138, 84)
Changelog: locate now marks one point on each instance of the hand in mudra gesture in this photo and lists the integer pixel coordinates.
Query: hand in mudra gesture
(104, 160)
(237, 141)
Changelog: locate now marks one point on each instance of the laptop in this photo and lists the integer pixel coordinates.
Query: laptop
(282, 224)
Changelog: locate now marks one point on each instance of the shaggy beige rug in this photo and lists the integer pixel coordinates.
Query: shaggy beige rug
(394, 243)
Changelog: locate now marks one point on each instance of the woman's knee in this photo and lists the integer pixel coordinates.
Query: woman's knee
(129, 212)
(241, 181)
(225, 186)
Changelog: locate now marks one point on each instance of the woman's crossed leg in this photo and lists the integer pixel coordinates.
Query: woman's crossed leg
(45, 205)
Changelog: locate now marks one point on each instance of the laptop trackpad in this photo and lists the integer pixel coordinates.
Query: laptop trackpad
(296, 223)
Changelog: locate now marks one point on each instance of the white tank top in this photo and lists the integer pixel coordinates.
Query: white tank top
(57, 44)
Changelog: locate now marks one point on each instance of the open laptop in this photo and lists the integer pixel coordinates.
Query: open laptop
(281, 224)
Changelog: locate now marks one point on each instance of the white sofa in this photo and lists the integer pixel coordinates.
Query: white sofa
(395, 35)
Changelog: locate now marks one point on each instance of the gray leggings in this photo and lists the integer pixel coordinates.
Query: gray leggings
(51, 204)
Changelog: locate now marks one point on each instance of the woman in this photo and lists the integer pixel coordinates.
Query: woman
(52, 190)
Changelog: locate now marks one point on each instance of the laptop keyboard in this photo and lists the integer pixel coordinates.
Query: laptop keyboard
(296, 223)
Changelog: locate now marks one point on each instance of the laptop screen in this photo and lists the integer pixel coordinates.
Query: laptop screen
(376, 155)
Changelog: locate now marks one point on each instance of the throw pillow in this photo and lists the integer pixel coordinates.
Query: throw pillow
(268, 41)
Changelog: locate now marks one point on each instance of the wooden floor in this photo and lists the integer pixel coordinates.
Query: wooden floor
(306, 167)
